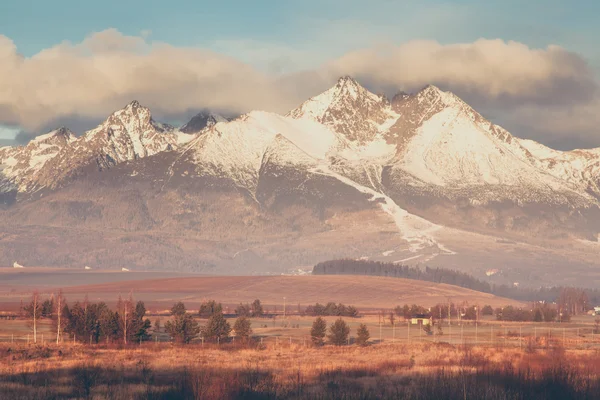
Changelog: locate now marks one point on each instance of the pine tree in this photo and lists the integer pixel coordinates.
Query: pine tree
(182, 328)
(109, 325)
(257, 308)
(209, 308)
(139, 325)
(338, 332)
(362, 335)
(318, 331)
(243, 310)
(217, 328)
(242, 328)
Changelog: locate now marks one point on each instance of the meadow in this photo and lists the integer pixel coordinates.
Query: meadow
(485, 358)
(283, 371)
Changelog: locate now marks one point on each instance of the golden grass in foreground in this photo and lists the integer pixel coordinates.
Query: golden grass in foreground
(383, 371)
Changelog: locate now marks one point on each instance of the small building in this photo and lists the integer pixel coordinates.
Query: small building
(597, 310)
(420, 319)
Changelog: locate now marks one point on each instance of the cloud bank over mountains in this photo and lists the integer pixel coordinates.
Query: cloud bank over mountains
(550, 94)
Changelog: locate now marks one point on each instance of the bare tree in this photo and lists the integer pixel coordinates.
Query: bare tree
(59, 304)
(125, 309)
(33, 310)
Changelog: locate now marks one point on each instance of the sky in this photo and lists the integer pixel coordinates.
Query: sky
(533, 67)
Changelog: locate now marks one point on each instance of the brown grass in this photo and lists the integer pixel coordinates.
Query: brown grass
(361, 291)
(280, 371)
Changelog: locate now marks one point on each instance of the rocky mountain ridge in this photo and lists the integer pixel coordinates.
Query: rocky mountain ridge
(292, 190)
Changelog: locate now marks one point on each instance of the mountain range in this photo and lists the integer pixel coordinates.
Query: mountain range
(421, 178)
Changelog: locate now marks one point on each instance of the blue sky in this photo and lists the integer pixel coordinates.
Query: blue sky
(37, 24)
(284, 37)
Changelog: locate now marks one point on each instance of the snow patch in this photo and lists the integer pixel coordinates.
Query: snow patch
(415, 230)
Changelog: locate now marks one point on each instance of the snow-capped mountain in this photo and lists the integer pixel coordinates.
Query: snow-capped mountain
(347, 173)
(350, 110)
(202, 120)
(128, 134)
(22, 164)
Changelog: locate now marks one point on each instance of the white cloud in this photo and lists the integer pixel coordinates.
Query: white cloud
(108, 69)
(493, 69)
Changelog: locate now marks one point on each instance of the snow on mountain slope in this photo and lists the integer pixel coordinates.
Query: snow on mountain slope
(349, 109)
(236, 149)
(128, 134)
(445, 145)
(580, 168)
(415, 230)
(21, 165)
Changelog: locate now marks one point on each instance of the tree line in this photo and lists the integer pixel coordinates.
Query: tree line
(574, 300)
(539, 312)
(94, 323)
(332, 309)
(88, 322)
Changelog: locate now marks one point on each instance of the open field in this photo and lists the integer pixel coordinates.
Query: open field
(283, 371)
(581, 333)
(160, 293)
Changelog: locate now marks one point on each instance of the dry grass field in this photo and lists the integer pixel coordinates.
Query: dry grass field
(296, 372)
(364, 292)
(487, 360)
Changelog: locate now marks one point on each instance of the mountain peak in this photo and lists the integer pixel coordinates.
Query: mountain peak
(203, 119)
(345, 94)
(134, 104)
(347, 80)
(59, 136)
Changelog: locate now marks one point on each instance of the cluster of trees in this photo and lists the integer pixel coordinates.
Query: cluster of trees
(96, 322)
(209, 308)
(573, 300)
(541, 313)
(332, 309)
(90, 322)
(407, 311)
(250, 310)
(375, 268)
(339, 333)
